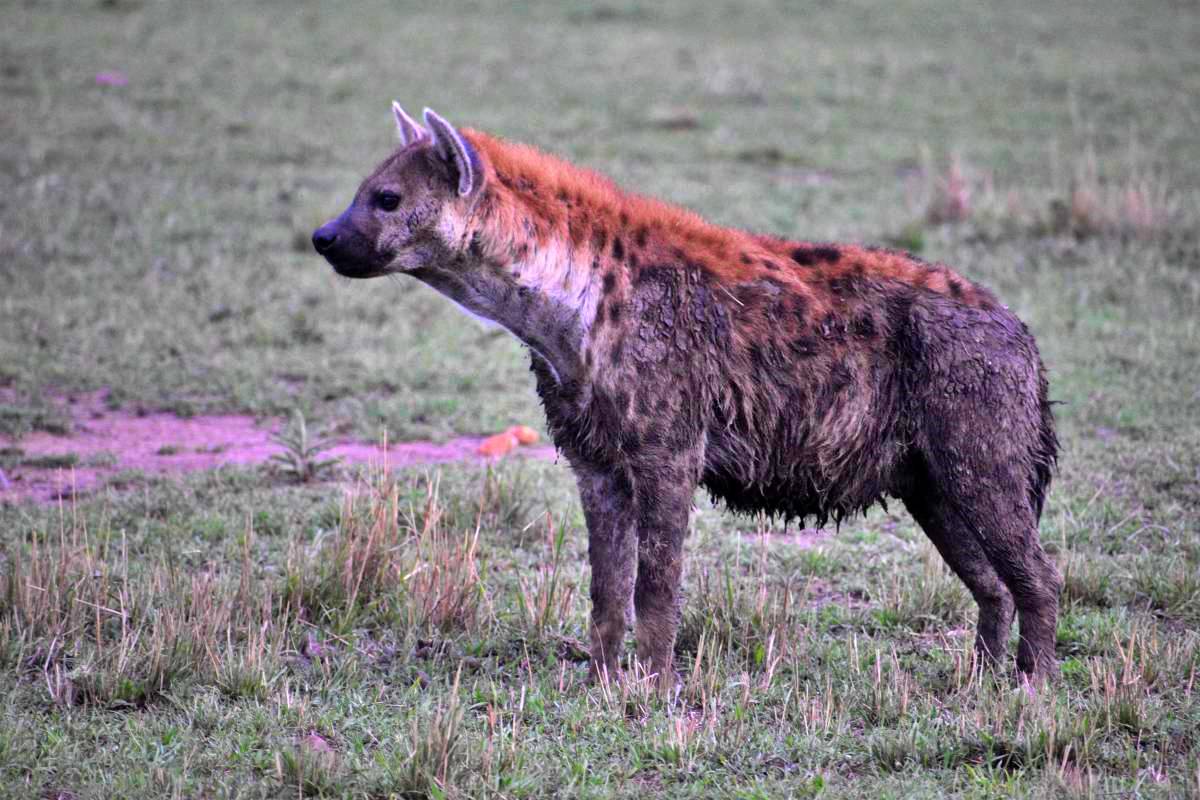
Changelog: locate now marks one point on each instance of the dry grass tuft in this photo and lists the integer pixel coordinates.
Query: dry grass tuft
(948, 198)
(95, 634)
(1081, 201)
(389, 561)
(1140, 204)
(547, 597)
(99, 630)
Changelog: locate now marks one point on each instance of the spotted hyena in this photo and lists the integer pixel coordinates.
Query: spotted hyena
(795, 378)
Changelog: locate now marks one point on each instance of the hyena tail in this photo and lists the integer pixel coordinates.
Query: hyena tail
(1045, 455)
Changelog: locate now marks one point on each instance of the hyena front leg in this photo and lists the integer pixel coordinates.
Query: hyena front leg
(664, 503)
(608, 507)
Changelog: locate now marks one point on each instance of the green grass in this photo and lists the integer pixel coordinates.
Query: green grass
(244, 634)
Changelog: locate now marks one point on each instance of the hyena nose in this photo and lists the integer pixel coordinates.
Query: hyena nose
(324, 237)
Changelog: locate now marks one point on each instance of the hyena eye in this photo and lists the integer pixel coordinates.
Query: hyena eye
(387, 201)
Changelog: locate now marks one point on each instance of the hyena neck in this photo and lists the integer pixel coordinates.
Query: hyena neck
(520, 265)
(500, 292)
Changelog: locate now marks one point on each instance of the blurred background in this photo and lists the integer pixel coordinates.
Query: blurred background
(295, 628)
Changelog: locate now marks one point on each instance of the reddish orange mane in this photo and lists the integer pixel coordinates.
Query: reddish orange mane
(538, 196)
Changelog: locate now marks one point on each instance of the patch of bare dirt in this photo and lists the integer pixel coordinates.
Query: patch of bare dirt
(105, 442)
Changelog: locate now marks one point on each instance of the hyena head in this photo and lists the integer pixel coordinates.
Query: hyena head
(411, 212)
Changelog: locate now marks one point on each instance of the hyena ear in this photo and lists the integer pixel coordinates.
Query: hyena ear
(407, 128)
(456, 152)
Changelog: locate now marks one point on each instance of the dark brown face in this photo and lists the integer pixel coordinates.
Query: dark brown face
(393, 223)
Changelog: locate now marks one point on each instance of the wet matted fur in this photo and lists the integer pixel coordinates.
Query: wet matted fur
(802, 379)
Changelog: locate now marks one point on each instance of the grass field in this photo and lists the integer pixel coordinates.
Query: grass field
(238, 635)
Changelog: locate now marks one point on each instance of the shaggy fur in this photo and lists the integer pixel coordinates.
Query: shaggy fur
(804, 380)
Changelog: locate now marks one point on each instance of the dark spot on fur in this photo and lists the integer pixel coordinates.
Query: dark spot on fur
(599, 238)
(624, 483)
(643, 402)
(833, 328)
(609, 283)
(901, 342)
(614, 312)
(863, 326)
(618, 352)
(800, 309)
(803, 256)
(649, 273)
(759, 356)
(830, 255)
(840, 377)
(746, 259)
(621, 403)
(652, 436)
(807, 256)
(618, 248)
(641, 236)
(629, 440)
(633, 261)
(771, 265)
(956, 289)
(842, 285)
(804, 347)
(476, 247)
(624, 218)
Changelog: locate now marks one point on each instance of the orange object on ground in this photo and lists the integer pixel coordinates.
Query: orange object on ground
(524, 434)
(498, 445)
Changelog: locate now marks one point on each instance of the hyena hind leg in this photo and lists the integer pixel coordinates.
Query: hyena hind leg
(961, 551)
(1035, 583)
(1005, 528)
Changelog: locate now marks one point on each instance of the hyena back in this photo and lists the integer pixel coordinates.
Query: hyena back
(799, 379)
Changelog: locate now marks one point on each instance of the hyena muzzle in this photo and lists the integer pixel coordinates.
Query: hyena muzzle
(795, 378)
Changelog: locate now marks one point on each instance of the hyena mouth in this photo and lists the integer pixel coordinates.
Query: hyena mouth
(356, 271)
(350, 266)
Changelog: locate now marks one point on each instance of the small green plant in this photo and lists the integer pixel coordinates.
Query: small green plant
(301, 457)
